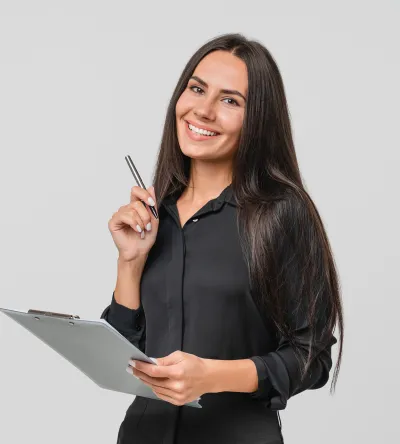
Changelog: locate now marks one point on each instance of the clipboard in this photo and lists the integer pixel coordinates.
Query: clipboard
(95, 347)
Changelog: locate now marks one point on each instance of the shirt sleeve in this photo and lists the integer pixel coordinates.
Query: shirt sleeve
(279, 372)
(131, 323)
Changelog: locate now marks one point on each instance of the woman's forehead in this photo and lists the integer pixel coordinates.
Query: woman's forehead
(221, 69)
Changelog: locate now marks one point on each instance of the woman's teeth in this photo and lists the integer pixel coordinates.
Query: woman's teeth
(201, 131)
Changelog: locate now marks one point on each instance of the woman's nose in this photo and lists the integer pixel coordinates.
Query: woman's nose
(205, 109)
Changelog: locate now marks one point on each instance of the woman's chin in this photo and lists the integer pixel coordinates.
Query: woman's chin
(193, 154)
(194, 150)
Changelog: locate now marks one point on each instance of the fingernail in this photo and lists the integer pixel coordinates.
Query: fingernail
(151, 202)
(142, 234)
(129, 370)
(148, 226)
(138, 228)
(132, 363)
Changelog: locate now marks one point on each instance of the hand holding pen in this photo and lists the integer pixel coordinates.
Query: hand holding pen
(134, 226)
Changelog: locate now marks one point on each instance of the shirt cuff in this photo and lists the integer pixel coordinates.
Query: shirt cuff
(123, 318)
(264, 382)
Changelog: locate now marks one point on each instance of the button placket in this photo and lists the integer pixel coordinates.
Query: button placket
(137, 326)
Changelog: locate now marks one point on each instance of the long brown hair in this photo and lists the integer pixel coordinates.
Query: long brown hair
(290, 262)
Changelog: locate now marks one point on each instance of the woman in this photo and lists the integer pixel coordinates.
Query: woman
(233, 289)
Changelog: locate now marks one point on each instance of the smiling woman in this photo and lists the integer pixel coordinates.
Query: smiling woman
(236, 295)
(213, 101)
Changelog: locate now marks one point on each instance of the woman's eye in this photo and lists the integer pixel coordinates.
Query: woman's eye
(194, 88)
(191, 87)
(233, 100)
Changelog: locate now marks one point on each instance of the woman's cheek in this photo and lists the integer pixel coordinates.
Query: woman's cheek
(232, 122)
(183, 105)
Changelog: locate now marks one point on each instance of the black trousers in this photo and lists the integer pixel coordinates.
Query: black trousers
(225, 418)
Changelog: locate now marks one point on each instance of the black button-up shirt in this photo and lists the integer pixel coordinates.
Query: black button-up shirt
(195, 297)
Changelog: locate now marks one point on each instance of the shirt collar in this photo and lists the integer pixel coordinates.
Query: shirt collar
(227, 195)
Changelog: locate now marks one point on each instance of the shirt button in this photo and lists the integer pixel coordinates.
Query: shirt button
(138, 327)
(137, 315)
(195, 220)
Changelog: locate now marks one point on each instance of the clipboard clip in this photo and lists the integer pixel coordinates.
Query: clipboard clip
(53, 314)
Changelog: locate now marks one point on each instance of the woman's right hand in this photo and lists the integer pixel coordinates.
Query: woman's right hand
(128, 226)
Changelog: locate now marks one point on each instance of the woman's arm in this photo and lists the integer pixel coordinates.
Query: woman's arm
(231, 376)
(130, 323)
(302, 279)
(272, 378)
(125, 313)
(279, 372)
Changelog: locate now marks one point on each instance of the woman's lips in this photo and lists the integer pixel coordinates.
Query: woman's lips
(198, 137)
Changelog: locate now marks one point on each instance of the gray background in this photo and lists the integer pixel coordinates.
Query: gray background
(83, 83)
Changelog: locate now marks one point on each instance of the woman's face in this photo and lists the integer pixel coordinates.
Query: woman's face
(206, 105)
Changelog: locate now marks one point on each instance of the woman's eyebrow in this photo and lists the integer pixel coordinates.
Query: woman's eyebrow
(225, 91)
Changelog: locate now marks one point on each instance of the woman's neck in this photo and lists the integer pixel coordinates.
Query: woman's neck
(207, 181)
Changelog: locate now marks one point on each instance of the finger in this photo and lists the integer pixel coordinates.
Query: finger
(143, 212)
(169, 393)
(153, 195)
(130, 217)
(156, 382)
(152, 379)
(167, 398)
(155, 371)
(172, 388)
(139, 193)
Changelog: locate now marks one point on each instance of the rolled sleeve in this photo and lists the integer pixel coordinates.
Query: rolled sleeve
(263, 391)
(279, 374)
(131, 323)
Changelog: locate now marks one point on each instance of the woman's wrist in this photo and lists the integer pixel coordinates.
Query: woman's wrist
(127, 289)
(134, 267)
(238, 375)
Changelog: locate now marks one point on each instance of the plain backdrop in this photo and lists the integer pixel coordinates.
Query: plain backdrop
(83, 83)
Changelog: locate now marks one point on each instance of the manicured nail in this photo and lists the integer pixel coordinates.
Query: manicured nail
(151, 202)
(132, 363)
(148, 226)
(129, 370)
(142, 234)
(138, 228)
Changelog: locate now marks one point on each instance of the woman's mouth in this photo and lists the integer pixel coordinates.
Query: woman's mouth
(199, 134)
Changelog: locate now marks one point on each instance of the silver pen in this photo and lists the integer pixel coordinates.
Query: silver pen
(139, 181)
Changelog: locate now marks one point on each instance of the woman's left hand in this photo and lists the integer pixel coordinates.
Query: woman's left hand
(178, 378)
